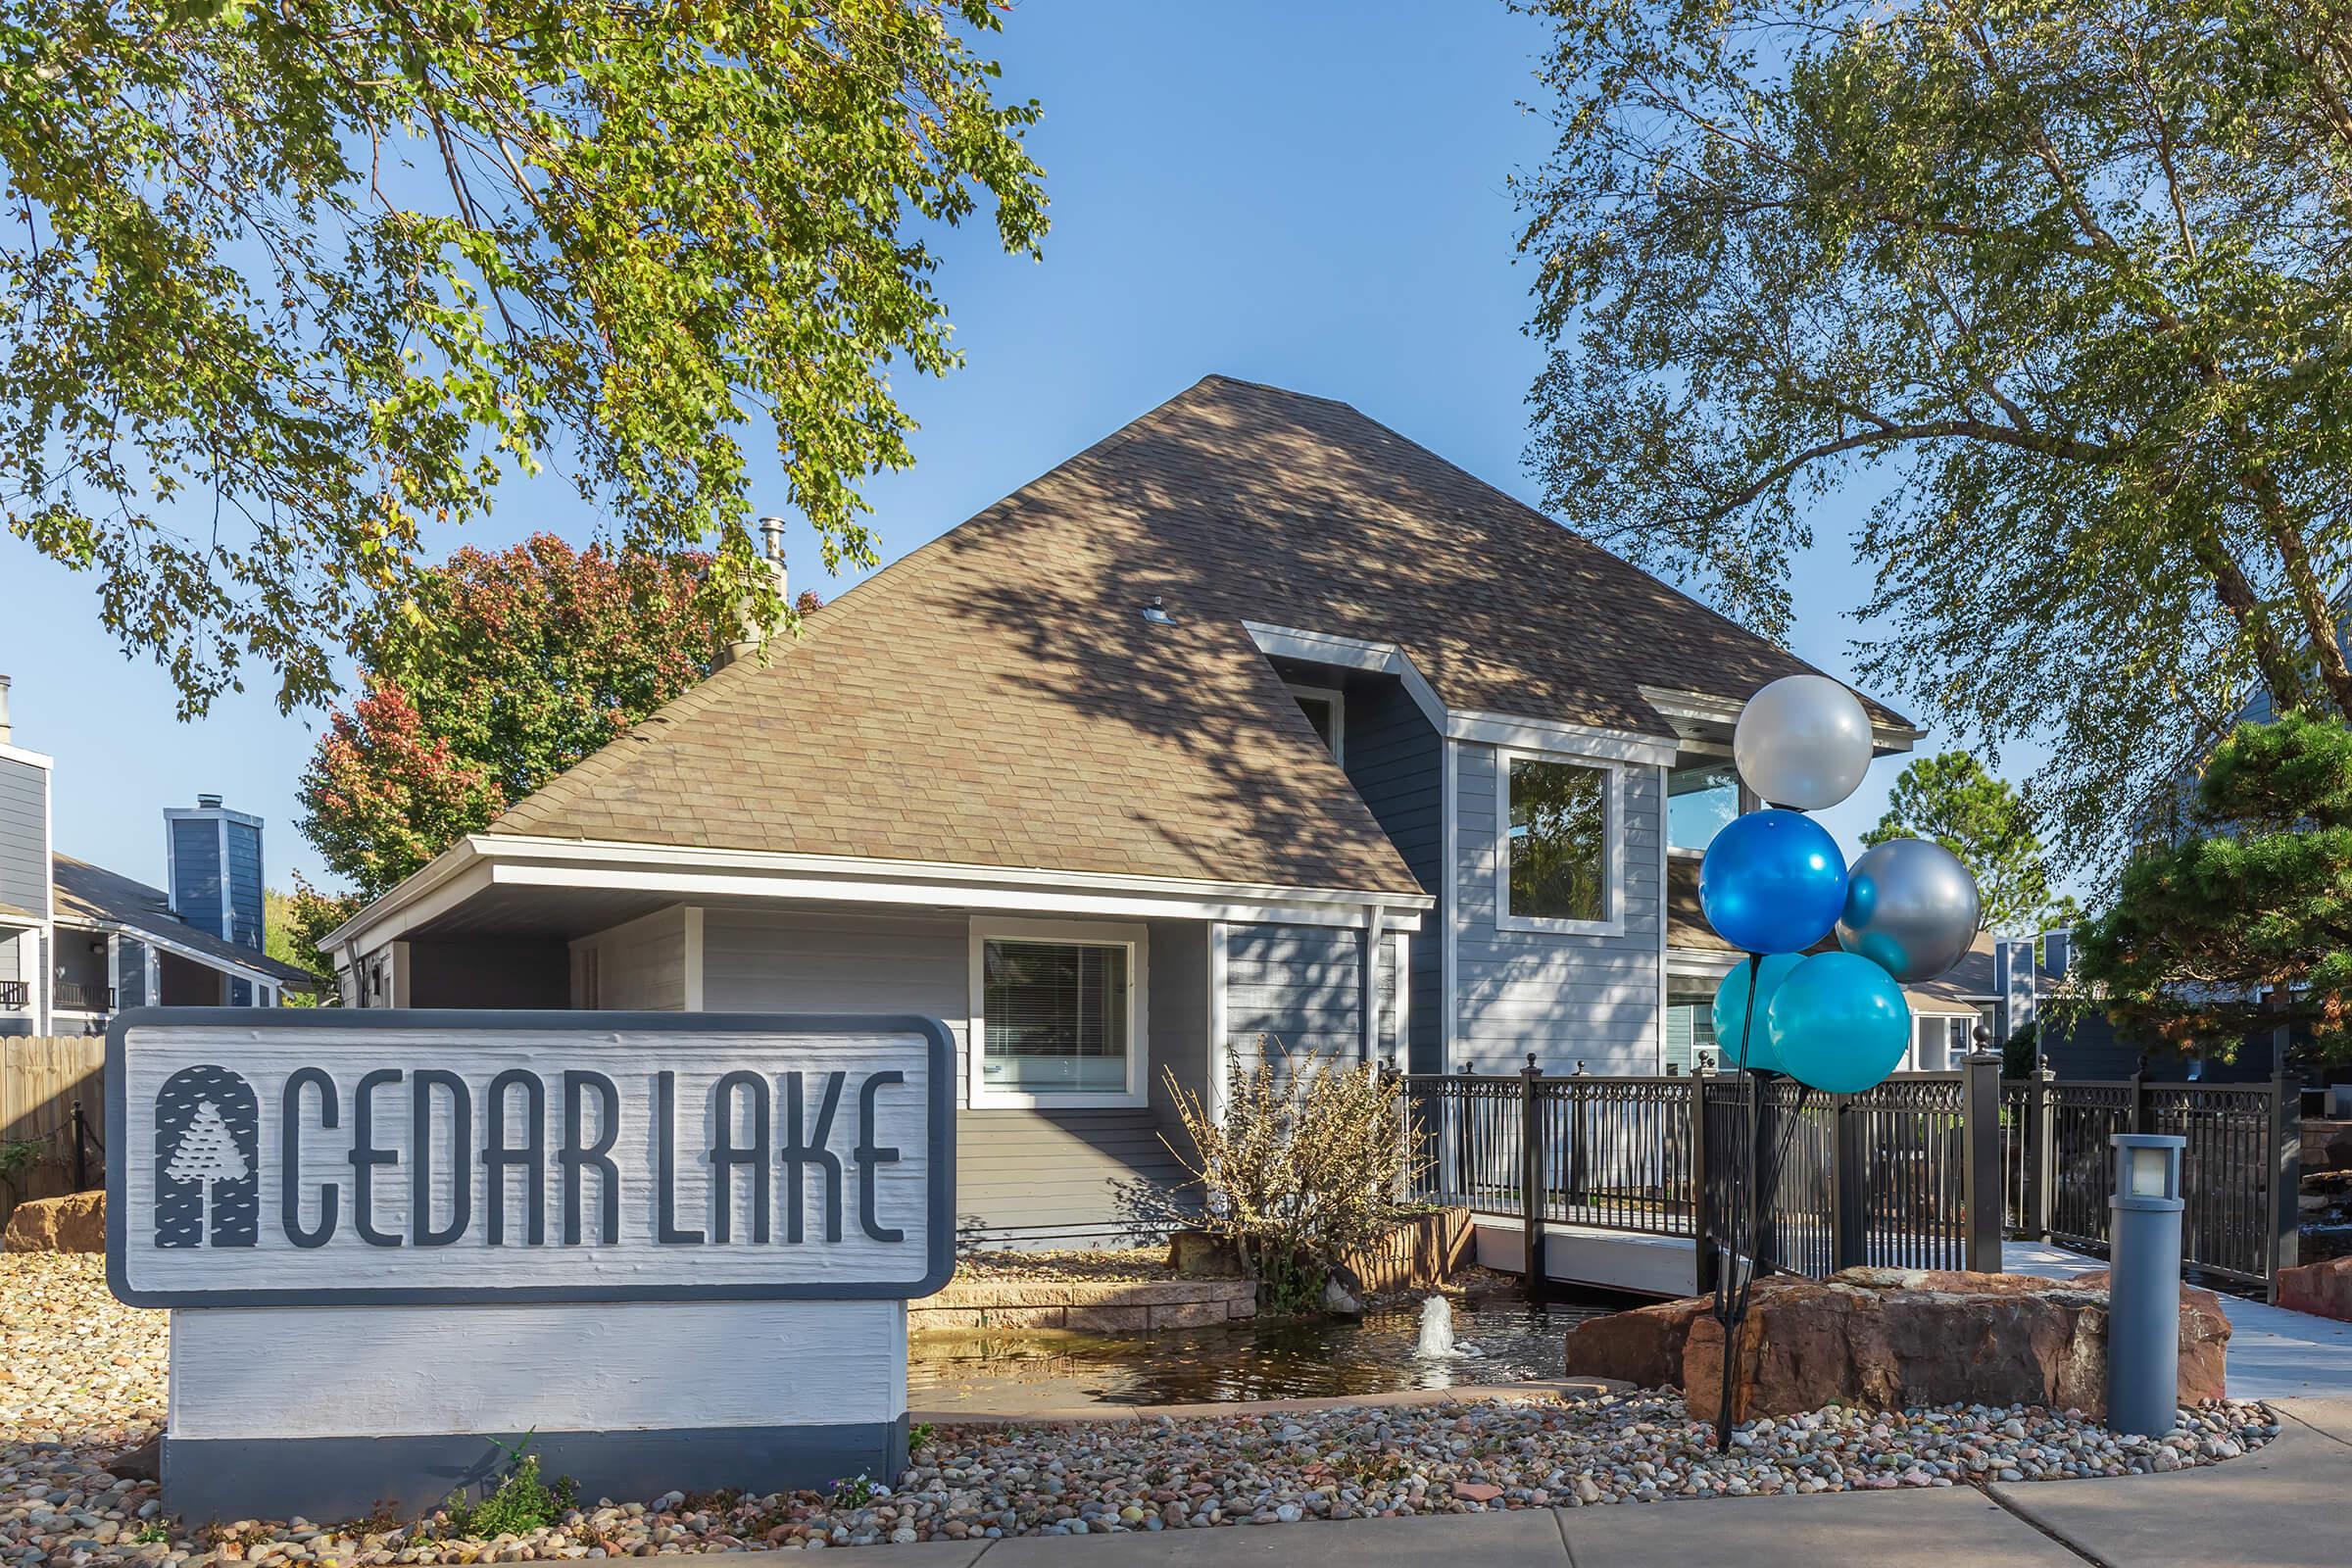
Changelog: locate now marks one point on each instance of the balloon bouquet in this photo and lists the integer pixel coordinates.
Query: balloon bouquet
(1774, 885)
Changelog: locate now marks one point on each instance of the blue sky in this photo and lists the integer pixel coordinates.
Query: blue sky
(1308, 195)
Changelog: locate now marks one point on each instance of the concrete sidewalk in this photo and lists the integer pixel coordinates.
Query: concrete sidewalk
(2287, 1506)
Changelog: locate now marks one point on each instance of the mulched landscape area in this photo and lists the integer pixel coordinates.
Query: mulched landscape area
(81, 1378)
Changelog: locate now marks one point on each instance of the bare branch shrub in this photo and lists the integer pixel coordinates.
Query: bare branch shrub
(1308, 1165)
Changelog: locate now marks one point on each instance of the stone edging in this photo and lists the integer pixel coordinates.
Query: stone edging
(1084, 1305)
(1559, 1389)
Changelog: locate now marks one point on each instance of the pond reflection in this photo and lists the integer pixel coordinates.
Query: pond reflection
(1259, 1359)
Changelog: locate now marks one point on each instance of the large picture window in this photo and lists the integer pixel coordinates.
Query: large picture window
(1559, 857)
(1056, 1016)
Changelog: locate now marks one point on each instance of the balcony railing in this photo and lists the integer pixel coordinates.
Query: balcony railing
(15, 995)
(74, 997)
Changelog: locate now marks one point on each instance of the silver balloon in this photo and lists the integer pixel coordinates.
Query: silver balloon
(1803, 741)
(1910, 908)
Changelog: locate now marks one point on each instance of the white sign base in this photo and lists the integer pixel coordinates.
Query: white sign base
(328, 1411)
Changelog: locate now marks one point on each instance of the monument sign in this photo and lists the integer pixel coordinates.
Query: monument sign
(674, 1249)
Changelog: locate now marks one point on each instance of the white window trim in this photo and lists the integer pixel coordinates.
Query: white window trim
(1612, 831)
(1136, 939)
(1337, 699)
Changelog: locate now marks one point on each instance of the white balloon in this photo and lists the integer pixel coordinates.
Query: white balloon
(1803, 741)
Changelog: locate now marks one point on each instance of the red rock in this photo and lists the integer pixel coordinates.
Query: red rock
(1476, 1491)
(1889, 1338)
(2204, 1340)
(1642, 1346)
(2324, 1290)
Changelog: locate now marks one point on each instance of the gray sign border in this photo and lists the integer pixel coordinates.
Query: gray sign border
(941, 1149)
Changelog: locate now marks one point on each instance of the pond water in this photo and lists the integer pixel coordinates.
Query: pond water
(1258, 1359)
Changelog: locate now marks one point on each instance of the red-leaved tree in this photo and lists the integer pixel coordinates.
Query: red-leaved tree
(516, 666)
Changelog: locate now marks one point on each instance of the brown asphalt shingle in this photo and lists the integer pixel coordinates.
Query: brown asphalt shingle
(996, 697)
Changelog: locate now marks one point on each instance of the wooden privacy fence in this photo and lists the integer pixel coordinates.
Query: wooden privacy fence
(2239, 1175)
(1925, 1170)
(52, 1100)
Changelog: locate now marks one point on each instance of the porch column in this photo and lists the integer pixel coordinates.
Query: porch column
(1219, 1044)
(1370, 976)
(44, 979)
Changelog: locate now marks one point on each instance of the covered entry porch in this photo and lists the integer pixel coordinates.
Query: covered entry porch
(1084, 1017)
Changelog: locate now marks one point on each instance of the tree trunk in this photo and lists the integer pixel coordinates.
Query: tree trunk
(2319, 617)
(2278, 675)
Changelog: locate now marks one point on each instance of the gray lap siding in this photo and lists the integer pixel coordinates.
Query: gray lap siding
(1395, 759)
(1023, 1177)
(1568, 998)
(1298, 990)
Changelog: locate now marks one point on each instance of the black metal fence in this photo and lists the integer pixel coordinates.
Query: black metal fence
(2239, 1174)
(1926, 1170)
(1883, 1177)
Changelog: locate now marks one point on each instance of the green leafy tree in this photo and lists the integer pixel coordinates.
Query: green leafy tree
(287, 285)
(2244, 924)
(2062, 280)
(292, 924)
(1951, 798)
(520, 664)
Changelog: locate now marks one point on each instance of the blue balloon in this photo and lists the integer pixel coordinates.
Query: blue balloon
(1732, 1014)
(1772, 882)
(1839, 1023)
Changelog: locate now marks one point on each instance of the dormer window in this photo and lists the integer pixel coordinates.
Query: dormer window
(1327, 711)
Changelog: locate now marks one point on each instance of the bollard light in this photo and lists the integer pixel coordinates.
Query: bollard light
(2143, 1285)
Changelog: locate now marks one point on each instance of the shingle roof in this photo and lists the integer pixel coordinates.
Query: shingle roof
(87, 892)
(996, 698)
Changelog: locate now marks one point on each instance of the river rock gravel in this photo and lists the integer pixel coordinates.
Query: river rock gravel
(82, 1379)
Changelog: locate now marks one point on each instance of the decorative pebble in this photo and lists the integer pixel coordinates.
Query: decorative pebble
(82, 1379)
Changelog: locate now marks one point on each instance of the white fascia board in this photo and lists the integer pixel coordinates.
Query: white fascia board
(514, 848)
(1046, 898)
(18, 754)
(1351, 653)
(1573, 740)
(1702, 962)
(140, 933)
(1707, 708)
(1454, 723)
(449, 879)
(482, 861)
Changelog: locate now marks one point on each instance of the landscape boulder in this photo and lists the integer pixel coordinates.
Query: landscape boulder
(1887, 1339)
(2204, 1337)
(2326, 1144)
(1198, 1255)
(1642, 1346)
(73, 1224)
(2321, 1289)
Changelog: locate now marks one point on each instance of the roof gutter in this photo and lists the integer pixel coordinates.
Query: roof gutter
(484, 860)
(211, 960)
(1704, 709)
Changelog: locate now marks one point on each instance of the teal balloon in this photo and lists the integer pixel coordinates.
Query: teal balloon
(1838, 1022)
(1772, 882)
(1732, 1014)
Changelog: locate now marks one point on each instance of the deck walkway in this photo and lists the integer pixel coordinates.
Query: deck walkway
(2273, 1353)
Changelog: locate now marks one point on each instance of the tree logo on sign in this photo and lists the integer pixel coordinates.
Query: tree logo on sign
(206, 1158)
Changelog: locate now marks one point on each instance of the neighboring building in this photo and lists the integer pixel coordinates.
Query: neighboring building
(1252, 722)
(79, 943)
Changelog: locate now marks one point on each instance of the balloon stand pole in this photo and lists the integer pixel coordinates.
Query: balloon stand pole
(1756, 1178)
